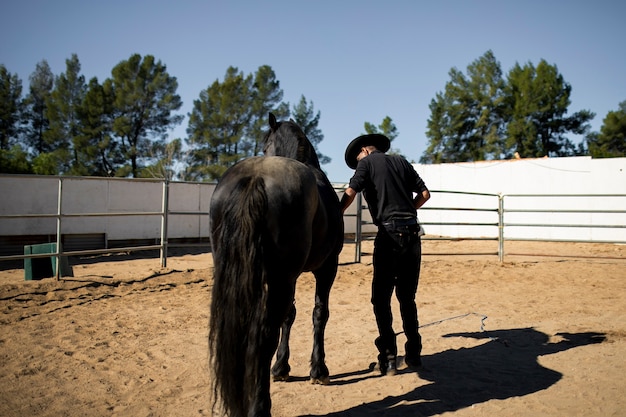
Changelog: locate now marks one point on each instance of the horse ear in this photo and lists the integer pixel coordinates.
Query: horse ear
(273, 123)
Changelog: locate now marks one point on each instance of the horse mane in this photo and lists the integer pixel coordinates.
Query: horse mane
(290, 141)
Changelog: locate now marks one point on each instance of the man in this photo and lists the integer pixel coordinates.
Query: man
(388, 183)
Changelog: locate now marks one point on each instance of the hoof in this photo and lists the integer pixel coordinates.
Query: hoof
(325, 380)
(280, 378)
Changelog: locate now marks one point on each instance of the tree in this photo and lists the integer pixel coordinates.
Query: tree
(47, 163)
(466, 120)
(144, 99)
(41, 84)
(217, 124)
(538, 99)
(99, 154)
(304, 115)
(166, 156)
(15, 161)
(63, 113)
(266, 97)
(482, 116)
(441, 145)
(610, 142)
(387, 128)
(228, 121)
(10, 108)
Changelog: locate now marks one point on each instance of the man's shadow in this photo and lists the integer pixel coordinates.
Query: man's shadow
(506, 366)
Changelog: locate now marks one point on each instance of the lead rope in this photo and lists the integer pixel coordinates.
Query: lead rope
(482, 320)
(482, 324)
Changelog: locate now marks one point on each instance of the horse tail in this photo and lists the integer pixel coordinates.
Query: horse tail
(238, 314)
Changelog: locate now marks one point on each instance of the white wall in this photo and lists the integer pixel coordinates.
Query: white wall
(39, 195)
(575, 175)
(545, 176)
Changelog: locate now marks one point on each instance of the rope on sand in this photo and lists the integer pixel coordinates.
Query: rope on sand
(482, 320)
(482, 325)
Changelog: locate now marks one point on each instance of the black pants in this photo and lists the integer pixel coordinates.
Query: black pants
(397, 258)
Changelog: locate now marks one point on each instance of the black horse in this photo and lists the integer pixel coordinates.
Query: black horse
(271, 218)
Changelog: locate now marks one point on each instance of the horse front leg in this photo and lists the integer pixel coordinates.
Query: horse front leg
(324, 279)
(281, 368)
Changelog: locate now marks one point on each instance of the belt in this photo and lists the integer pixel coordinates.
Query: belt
(400, 222)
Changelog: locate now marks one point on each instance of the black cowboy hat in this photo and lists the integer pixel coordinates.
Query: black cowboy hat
(381, 142)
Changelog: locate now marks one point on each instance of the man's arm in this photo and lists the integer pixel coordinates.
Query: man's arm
(347, 199)
(421, 198)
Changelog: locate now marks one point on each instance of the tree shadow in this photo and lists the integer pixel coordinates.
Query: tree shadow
(504, 367)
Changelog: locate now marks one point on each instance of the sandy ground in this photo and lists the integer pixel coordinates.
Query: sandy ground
(533, 336)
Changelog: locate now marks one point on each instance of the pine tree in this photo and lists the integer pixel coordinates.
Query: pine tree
(143, 105)
(41, 84)
(610, 142)
(10, 108)
(304, 115)
(62, 111)
(229, 120)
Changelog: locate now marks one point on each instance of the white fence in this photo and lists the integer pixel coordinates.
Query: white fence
(544, 191)
(31, 205)
(497, 217)
(563, 199)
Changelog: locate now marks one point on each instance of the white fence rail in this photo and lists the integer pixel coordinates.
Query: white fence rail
(161, 211)
(459, 215)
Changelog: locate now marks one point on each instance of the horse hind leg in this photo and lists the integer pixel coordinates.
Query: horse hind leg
(281, 368)
(262, 402)
(279, 305)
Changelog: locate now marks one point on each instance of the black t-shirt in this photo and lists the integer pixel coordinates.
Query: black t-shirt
(388, 183)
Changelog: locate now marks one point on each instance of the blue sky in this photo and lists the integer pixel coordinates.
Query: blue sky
(357, 61)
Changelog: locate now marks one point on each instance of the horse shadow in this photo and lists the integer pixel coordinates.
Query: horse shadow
(505, 366)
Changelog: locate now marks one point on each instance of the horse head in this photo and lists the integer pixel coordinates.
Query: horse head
(287, 139)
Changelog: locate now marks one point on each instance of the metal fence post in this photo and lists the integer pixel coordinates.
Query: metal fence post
(57, 255)
(358, 238)
(501, 227)
(164, 213)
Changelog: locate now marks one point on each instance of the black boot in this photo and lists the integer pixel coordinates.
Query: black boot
(413, 349)
(388, 365)
(413, 363)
